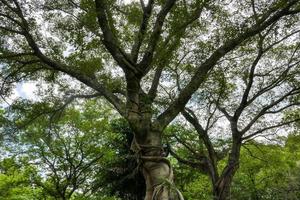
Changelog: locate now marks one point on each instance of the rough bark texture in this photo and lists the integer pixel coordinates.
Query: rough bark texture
(155, 174)
(155, 167)
(223, 185)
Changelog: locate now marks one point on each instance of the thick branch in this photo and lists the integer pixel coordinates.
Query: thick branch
(109, 39)
(202, 165)
(157, 29)
(155, 82)
(190, 117)
(143, 28)
(88, 80)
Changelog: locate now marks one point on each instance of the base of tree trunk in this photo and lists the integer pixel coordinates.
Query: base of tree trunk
(158, 175)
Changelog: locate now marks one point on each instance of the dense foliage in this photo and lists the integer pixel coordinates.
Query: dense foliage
(153, 100)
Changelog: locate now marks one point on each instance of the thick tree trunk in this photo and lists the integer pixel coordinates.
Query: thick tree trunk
(157, 174)
(147, 142)
(156, 168)
(223, 185)
(222, 190)
(214, 177)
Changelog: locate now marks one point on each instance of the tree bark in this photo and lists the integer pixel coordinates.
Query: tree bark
(223, 185)
(157, 174)
(156, 169)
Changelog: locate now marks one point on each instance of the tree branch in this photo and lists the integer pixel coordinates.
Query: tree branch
(203, 166)
(87, 80)
(11, 30)
(157, 29)
(110, 41)
(266, 108)
(244, 100)
(268, 128)
(199, 77)
(155, 82)
(17, 55)
(191, 118)
(224, 111)
(143, 28)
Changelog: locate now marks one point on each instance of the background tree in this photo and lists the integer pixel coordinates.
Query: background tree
(82, 152)
(16, 180)
(69, 151)
(123, 174)
(251, 89)
(268, 171)
(237, 104)
(93, 39)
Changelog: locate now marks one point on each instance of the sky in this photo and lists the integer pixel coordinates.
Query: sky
(24, 90)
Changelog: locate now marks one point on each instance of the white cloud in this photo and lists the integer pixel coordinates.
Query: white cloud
(26, 90)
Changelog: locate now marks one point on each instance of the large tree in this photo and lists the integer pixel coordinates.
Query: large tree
(121, 51)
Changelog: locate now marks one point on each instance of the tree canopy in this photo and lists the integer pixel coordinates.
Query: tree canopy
(229, 68)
